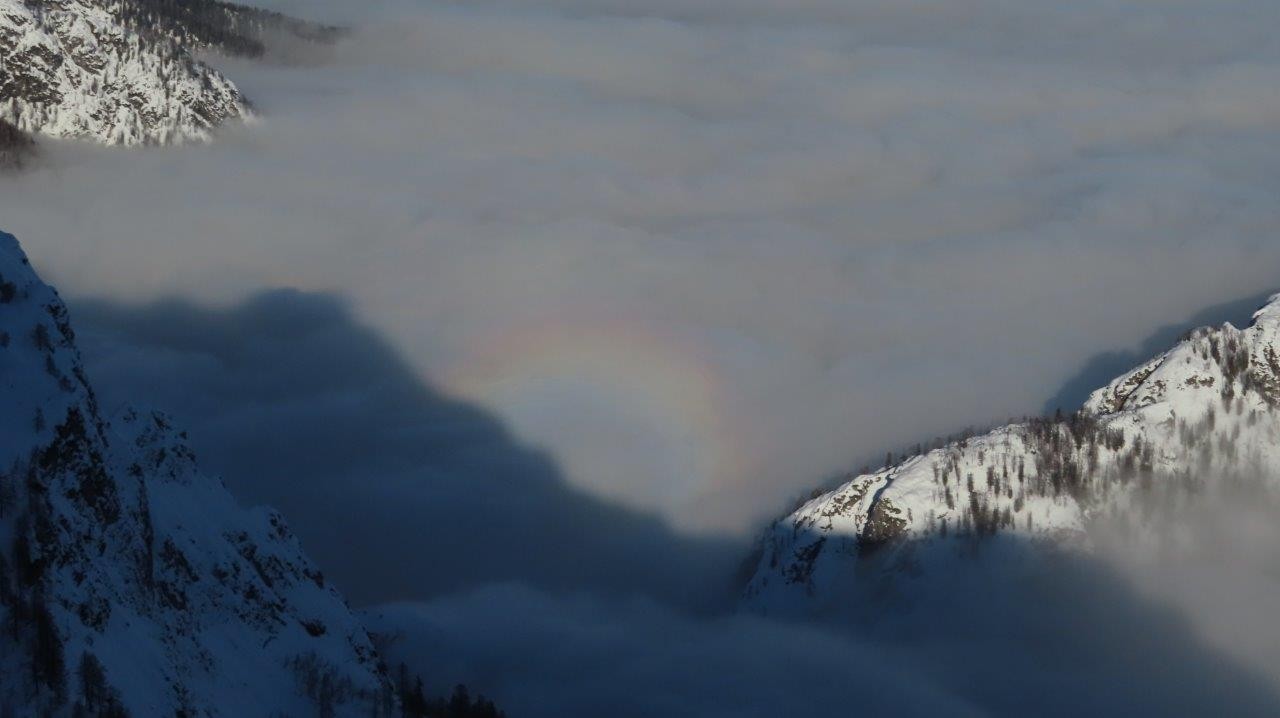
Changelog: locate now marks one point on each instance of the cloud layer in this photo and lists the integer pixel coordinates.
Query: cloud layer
(822, 229)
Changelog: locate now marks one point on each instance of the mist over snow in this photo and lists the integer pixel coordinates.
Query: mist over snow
(1071, 640)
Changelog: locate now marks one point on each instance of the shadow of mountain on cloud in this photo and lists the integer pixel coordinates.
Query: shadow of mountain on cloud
(397, 490)
(402, 493)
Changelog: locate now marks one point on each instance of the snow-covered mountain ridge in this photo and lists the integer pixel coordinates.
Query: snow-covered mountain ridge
(122, 72)
(130, 583)
(74, 69)
(1202, 414)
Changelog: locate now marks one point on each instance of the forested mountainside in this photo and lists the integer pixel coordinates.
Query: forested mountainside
(73, 68)
(123, 72)
(1195, 419)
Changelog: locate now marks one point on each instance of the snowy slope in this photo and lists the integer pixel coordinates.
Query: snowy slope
(1202, 414)
(75, 68)
(116, 553)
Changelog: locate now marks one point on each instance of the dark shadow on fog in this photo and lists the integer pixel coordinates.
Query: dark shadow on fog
(397, 491)
(400, 493)
(1105, 366)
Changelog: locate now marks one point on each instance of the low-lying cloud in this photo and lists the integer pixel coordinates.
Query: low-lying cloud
(546, 655)
(1065, 638)
(1173, 619)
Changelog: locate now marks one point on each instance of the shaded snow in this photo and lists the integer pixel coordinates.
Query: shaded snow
(189, 601)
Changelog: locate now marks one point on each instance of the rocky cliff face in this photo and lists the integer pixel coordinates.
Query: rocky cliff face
(130, 583)
(1200, 416)
(76, 69)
